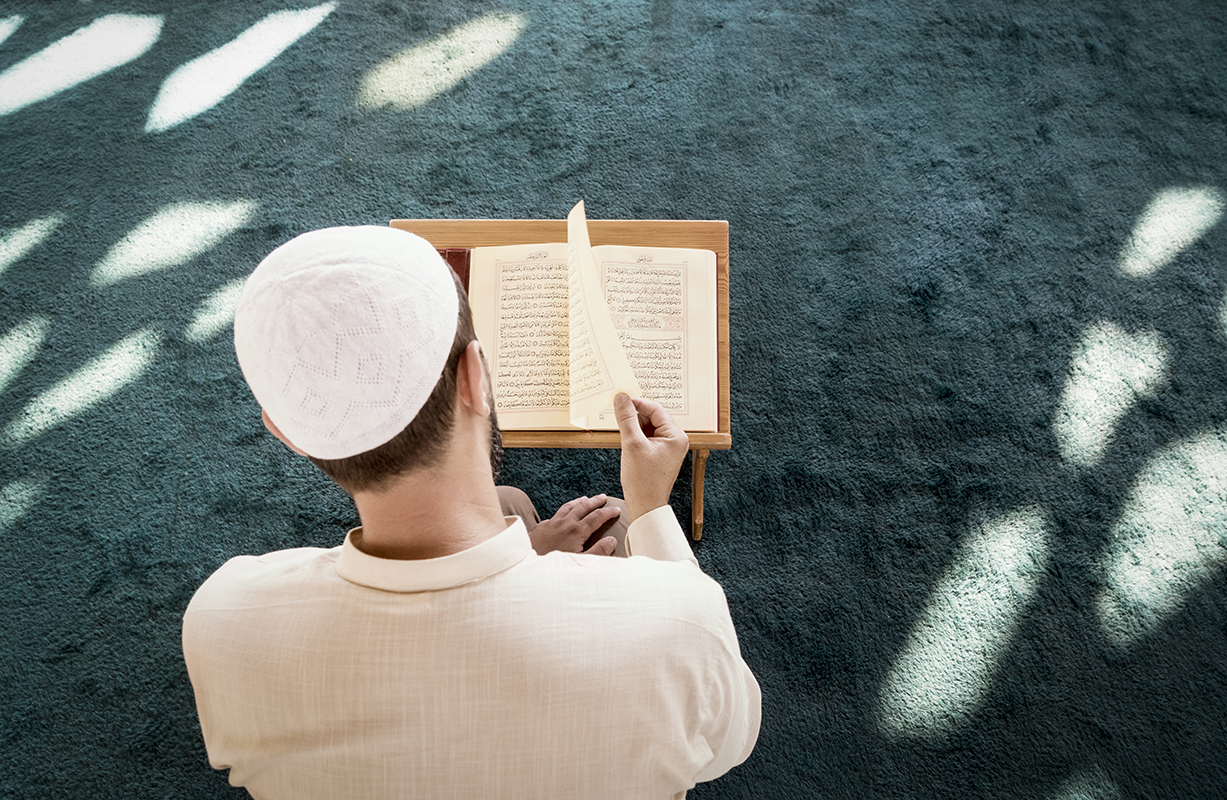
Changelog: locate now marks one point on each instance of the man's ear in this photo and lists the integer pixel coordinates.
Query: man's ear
(275, 431)
(470, 379)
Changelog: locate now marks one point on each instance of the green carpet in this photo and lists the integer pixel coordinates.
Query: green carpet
(973, 527)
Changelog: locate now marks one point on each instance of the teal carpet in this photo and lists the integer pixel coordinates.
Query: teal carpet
(973, 527)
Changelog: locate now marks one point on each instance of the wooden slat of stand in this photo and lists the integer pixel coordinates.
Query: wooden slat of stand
(699, 234)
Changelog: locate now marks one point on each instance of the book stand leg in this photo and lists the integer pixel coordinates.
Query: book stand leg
(698, 464)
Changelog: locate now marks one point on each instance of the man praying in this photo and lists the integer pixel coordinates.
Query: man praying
(443, 649)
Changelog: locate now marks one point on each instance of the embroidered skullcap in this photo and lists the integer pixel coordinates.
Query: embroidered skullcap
(342, 334)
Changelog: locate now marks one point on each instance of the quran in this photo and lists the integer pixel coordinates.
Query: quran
(565, 326)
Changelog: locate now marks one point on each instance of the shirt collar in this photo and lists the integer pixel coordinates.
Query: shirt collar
(504, 550)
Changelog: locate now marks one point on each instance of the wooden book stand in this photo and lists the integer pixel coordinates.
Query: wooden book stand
(712, 235)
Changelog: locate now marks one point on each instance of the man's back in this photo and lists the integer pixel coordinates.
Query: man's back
(435, 654)
(493, 672)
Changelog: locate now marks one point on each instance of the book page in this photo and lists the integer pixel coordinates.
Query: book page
(520, 300)
(662, 302)
(533, 311)
(598, 366)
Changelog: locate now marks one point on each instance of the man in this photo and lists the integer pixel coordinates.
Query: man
(434, 654)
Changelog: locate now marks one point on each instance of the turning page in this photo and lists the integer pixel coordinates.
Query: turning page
(566, 326)
(598, 365)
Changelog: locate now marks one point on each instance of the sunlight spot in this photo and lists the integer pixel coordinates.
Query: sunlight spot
(215, 313)
(1090, 784)
(951, 654)
(9, 25)
(420, 74)
(18, 498)
(1222, 316)
(19, 346)
(175, 235)
(1171, 538)
(202, 83)
(105, 44)
(14, 245)
(1110, 371)
(88, 386)
(1175, 219)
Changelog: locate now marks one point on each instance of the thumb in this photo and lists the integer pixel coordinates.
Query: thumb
(604, 547)
(628, 417)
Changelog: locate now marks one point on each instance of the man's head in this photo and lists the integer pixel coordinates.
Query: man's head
(350, 339)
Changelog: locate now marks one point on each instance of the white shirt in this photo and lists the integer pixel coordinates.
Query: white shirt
(489, 673)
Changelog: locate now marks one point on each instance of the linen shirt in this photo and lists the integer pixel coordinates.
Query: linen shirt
(489, 673)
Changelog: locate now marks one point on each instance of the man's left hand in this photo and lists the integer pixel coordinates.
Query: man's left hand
(573, 524)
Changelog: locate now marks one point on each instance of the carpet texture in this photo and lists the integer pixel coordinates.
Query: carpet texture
(973, 527)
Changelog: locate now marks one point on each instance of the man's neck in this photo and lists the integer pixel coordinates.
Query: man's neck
(450, 506)
(430, 513)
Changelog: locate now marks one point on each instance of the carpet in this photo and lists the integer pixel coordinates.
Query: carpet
(973, 526)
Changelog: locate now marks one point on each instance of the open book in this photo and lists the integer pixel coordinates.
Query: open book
(566, 326)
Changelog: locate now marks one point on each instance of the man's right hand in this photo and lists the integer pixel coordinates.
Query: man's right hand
(653, 447)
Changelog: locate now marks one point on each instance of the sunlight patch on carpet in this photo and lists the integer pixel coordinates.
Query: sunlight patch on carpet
(100, 47)
(95, 382)
(951, 655)
(416, 76)
(1222, 317)
(15, 244)
(1174, 220)
(216, 313)
(19, 346)
(1170, 540)
(173, 236)
(9, 26)
(202, 83)
(1089, 784)
(1109, 372)
(19, 497)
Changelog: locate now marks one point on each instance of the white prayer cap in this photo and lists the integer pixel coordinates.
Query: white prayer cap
(342, 334)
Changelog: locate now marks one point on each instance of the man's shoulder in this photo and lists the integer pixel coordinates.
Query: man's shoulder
(242, 577)
(676, 588)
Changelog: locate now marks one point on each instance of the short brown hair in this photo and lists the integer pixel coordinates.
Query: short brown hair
(424, 439)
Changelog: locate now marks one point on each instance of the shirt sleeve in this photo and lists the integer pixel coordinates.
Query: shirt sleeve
(658, 535)
(735, 714)
(732, 699)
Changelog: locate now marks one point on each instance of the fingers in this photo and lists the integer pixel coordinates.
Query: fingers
(573, 525)
(627, 415)
(653, 447)
(596, 518)
(581, 509)
(640, 420)
(655, 421)
(604, 547)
